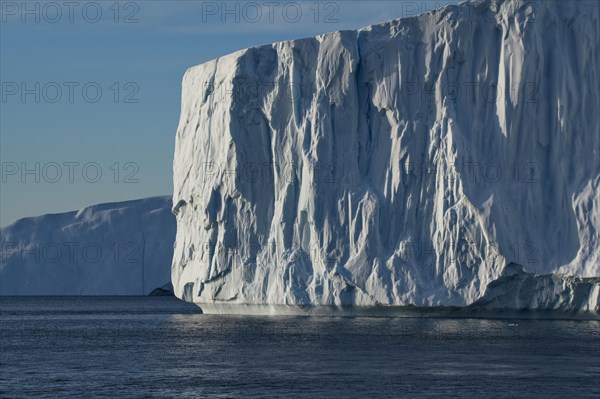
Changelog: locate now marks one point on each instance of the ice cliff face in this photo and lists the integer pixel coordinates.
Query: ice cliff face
(122, 248)
(405, 163)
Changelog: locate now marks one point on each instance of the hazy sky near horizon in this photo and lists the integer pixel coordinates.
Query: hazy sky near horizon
(90, 94)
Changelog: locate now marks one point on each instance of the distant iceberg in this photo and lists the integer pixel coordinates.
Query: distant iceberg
(121, 248)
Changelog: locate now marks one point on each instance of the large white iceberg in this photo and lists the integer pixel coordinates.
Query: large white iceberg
(405, 163)
(122, 248)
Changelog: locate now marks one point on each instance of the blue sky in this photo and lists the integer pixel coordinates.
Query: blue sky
(90, 95)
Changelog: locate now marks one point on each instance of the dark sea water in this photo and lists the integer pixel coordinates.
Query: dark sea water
(158, 347)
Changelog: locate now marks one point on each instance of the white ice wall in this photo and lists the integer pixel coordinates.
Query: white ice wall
(405, 163)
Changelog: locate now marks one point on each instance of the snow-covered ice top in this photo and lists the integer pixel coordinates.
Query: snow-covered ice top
(122, 248)
(404, 163)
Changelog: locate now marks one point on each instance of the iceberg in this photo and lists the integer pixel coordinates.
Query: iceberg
(518, 290)
(121, 248)
(406, 163)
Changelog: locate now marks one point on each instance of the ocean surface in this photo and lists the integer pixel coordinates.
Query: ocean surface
(159, 347)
